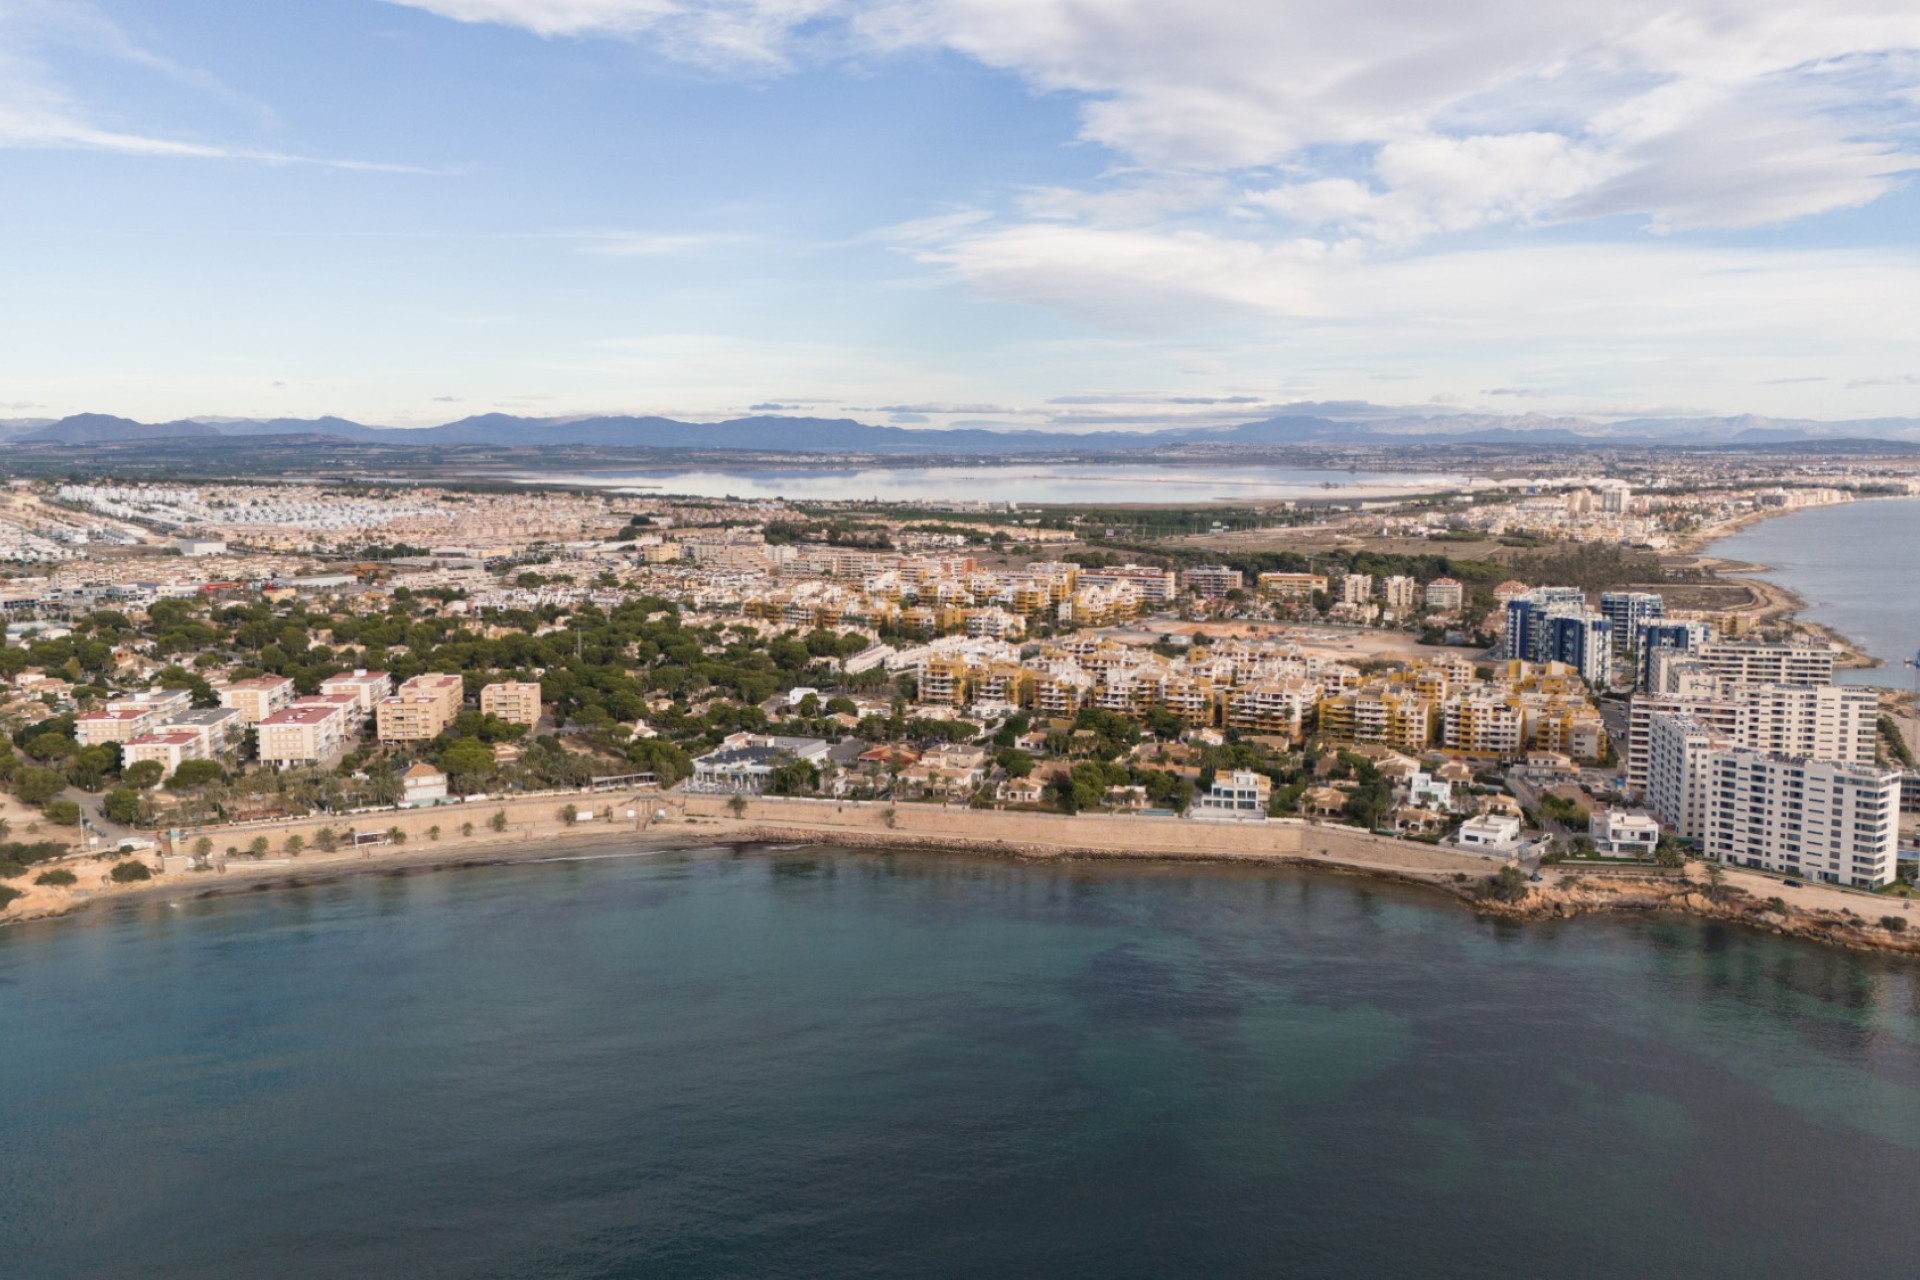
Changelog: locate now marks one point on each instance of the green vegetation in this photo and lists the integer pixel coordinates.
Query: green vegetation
(130, 871)
(1509, 884)
(59, 877)
(1895, 743)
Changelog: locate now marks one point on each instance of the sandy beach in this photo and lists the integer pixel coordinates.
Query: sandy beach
(1819, 913)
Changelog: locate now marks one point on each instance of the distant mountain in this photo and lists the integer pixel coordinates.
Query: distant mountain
(1336, 423)
(99, 428)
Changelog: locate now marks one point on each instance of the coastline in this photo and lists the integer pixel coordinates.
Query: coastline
(1819, 914)
(1777, 603)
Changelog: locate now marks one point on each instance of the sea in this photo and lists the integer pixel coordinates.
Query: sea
(1022, 483)
(1857, 566)
(810, 1061)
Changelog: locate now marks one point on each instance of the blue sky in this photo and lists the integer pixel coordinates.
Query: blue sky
(1067, 213)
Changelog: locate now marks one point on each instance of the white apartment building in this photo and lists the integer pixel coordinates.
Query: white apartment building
(1752, 662)
(170, 748)
(1677, 773)
(1825, 722)
(1833, 822)
(1446, 595)
(367, 687)
(1156, 586)
(308, 732)
(112, 724)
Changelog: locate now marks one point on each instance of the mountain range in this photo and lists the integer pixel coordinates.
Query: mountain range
(1324, 425)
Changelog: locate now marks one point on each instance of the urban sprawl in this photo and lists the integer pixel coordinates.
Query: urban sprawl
(185, 660)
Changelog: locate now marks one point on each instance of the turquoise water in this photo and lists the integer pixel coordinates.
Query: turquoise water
(819, 1062)
(1858, 569)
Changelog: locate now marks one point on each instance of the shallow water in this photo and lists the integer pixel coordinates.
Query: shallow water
(1090, 483)
(820, 1062)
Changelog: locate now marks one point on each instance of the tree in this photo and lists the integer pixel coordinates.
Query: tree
(143, 774)
(64, 813)
(737, 805)
(569, 814)
(50, 746)
(467, 761)
(202, 847)
(396, 836)
(295, 843)
(195, 773)
(37, 786)
(258, 847)
(125, 806)
(499, 820)
(325, 840)
(466, 829)
(1017, 763)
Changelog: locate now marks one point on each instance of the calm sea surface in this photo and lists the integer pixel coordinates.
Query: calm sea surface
(1092, 483)
(1858, 568)
(824, 1063)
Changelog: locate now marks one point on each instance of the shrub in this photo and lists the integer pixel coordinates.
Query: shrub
(325, 840)
(11, 870)
(466, 828)
(65, 813)
(59, 877)
(1509, 884)
(294, 844)
(202, 847)
(569, 814)
(396, 836)
(499, 820)
(433, 832)
(129, 871)
(8, 894)
(1894, 924)
(259, 846)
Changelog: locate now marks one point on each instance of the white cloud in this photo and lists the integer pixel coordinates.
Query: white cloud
(1396, 119)
(722, 32)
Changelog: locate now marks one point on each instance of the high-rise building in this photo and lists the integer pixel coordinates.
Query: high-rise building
(1526, 635)
(1356, 588)
(1819, 819)
(1629, 611)
(1584, 641)
(1662, 636)
(1825, 722)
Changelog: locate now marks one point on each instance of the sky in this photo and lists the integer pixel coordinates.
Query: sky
(1071, 214)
